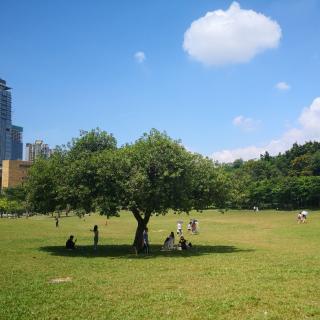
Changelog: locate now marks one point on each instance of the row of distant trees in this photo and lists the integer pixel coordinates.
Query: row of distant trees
(12, 202)
(287, 181)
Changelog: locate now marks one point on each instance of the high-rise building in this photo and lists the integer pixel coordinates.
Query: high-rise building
(37, 149)
(16, 140)
(5, 121)
(11, 145)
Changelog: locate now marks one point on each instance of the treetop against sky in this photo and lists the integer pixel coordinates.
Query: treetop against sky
(231, 79)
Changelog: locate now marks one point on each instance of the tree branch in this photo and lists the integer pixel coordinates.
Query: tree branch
(136, 214)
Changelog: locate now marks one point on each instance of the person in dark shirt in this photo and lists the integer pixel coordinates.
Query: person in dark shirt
(70, 244)
(145, 241)
(184, 244)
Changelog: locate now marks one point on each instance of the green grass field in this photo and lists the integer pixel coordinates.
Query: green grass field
(243, 266)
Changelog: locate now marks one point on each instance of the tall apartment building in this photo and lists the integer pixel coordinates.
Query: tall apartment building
(5, 121)
(37, 149)
(11, 145)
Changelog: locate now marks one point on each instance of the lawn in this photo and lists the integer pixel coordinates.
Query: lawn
(243, 265)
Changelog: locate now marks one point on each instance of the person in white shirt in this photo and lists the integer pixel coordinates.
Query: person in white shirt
(179, 228)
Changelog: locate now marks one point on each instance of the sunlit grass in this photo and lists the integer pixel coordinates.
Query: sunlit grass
(243, 266)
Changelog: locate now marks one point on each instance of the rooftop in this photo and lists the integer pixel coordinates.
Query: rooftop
(3, 85)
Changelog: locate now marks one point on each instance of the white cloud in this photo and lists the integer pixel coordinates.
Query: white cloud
(282, 86)
(232, 36)
(308, 130)
(245, 124)
(140, 56)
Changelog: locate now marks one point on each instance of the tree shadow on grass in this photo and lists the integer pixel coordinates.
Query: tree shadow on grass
(126, 251)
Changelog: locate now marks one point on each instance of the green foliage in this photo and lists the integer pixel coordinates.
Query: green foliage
(10, 206)
(17, 193)
(92, 141)
(42, 185)
(156, 174)
(289, 180)
(151, 176)
(163, 175)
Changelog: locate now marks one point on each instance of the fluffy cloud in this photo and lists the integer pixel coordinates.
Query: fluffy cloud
(140, 56)
(232, 36)
(245, 124)
(282, 86)
(308, 130)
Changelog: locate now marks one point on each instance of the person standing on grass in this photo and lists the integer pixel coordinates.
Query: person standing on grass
(145, 241)
(299, 217)
(95, 237)
(189, 226)
(179, 228)
(304, 214)
(194, 226)
(57, 222)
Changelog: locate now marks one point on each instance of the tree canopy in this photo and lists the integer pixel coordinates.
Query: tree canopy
(151, 176)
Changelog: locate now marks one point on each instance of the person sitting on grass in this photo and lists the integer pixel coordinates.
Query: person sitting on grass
(184, 244)
(169, 242)
(70, 244)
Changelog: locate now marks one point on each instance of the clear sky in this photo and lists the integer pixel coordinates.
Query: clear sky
(228, 79)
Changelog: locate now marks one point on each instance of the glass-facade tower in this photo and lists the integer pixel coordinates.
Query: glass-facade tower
(17, 145)
(5, 121)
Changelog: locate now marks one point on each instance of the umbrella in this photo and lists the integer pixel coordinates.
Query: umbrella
(304, 212)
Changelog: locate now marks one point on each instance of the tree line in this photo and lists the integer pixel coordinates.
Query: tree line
(287, 181)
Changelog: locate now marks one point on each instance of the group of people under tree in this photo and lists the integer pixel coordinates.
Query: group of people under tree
(183, 243)
(169, 243)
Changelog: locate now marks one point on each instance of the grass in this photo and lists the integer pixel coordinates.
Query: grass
(243, 266)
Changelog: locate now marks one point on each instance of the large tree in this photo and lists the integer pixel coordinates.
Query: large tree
(153, 175)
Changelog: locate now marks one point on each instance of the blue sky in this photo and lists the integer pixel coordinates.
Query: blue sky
(72, 66)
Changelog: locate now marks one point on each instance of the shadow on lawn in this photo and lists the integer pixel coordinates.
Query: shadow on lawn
(126, 251)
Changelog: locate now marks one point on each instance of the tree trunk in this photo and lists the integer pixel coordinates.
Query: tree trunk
(138, 239)
(142, 224)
